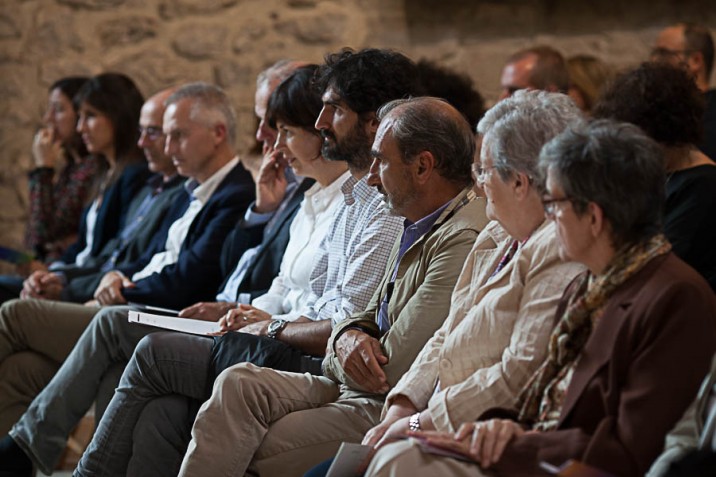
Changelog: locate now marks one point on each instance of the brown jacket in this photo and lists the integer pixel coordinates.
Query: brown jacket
(639, 371)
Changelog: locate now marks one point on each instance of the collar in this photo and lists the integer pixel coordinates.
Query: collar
(357, 190)
(203, 192)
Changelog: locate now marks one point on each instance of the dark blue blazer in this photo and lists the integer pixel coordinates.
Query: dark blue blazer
(267, 262)
(197, 273)
(112, 212)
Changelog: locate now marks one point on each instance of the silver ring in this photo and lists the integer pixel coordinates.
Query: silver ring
(246, 318)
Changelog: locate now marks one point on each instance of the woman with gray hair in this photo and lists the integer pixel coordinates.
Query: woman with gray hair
(502, 311)
(634, 337)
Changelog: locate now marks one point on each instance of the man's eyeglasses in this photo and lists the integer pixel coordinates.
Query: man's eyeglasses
(665, 53)
(152, 132)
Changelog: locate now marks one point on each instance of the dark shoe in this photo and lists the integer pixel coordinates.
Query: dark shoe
(13, 461)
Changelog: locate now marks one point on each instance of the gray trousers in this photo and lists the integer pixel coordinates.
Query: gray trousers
(146, 427)
(42, 431)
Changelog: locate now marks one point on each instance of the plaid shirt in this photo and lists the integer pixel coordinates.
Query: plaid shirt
(352, 257)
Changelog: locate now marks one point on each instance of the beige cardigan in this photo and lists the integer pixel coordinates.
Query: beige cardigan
(496, 333)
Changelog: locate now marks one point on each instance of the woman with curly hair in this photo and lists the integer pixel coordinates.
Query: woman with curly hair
(666, 104)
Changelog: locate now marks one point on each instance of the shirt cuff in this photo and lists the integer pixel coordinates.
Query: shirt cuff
(253, 218)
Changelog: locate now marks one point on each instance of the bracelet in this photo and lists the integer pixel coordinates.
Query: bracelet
(414, 422)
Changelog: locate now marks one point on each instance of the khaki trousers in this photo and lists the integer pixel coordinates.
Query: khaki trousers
(260, 421)
(404, 458)
(35, 338)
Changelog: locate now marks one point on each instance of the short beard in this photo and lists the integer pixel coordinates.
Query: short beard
(354, 149)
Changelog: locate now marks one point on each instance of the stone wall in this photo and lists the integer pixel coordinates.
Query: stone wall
(164, 42)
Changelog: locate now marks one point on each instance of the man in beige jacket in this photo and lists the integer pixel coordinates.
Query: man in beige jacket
(421, 163)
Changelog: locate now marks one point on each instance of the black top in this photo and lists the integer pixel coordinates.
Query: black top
(708, 144)
(690, 218)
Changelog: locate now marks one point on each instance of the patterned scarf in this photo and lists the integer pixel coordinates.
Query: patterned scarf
(569, 336)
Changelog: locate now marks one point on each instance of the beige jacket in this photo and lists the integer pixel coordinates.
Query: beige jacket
(497, 331)
(421, 294)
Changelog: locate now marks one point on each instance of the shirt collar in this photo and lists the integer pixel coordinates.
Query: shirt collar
(203, 192)
(357, 190)
(423, 225)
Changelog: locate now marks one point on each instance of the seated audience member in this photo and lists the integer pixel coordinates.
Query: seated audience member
(504, 303)
(199, 123)
(147, 211)
(109, 106)
(540, 67)
(635, 335)
(691, 47)
(692, 442)
(64, 172)
(265, 411)
(455, 88)
(664, 102)
(35, 359)
(587, 77)
(293, 109)
(360, 228)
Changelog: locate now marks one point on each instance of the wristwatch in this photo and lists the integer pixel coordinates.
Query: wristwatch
(414, 422)
(275, 328)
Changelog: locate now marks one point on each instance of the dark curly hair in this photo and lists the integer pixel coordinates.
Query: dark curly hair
(367, 79)
(455, 88)
(662, 100)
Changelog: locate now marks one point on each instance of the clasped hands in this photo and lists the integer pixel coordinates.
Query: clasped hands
(230, 316)
(482, 441)
(42, 284)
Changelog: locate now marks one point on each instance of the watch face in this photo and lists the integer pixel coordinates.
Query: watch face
(275, 327)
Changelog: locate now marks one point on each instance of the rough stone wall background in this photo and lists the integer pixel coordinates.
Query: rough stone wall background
(164, 42)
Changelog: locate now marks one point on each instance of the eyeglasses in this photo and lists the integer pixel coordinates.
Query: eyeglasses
(550, 204)
(480, 172)
(666, 53)
(152, 132)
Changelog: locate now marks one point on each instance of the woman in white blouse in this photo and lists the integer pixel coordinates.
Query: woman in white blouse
(292, 110)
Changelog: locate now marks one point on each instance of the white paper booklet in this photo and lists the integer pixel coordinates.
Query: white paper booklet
(349, 460)
(185, 325)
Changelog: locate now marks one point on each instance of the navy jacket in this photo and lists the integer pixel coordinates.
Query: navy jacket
(112, 212)
(197, 273)
(82, 281)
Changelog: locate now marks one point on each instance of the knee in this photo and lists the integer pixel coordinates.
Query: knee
(10, 311)
(112, 320)
(238, 379)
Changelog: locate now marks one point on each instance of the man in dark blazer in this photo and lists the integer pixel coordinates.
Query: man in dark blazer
(200, 129)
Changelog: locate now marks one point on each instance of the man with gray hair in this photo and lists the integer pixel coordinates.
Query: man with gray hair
(539, 67)
(421, 164)
(497, 332)
(199, 124)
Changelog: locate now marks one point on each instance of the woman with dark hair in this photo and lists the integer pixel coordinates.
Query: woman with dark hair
(634, 336)
(666, 104)
(292, 110)
(108, 106)
(63, 174)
